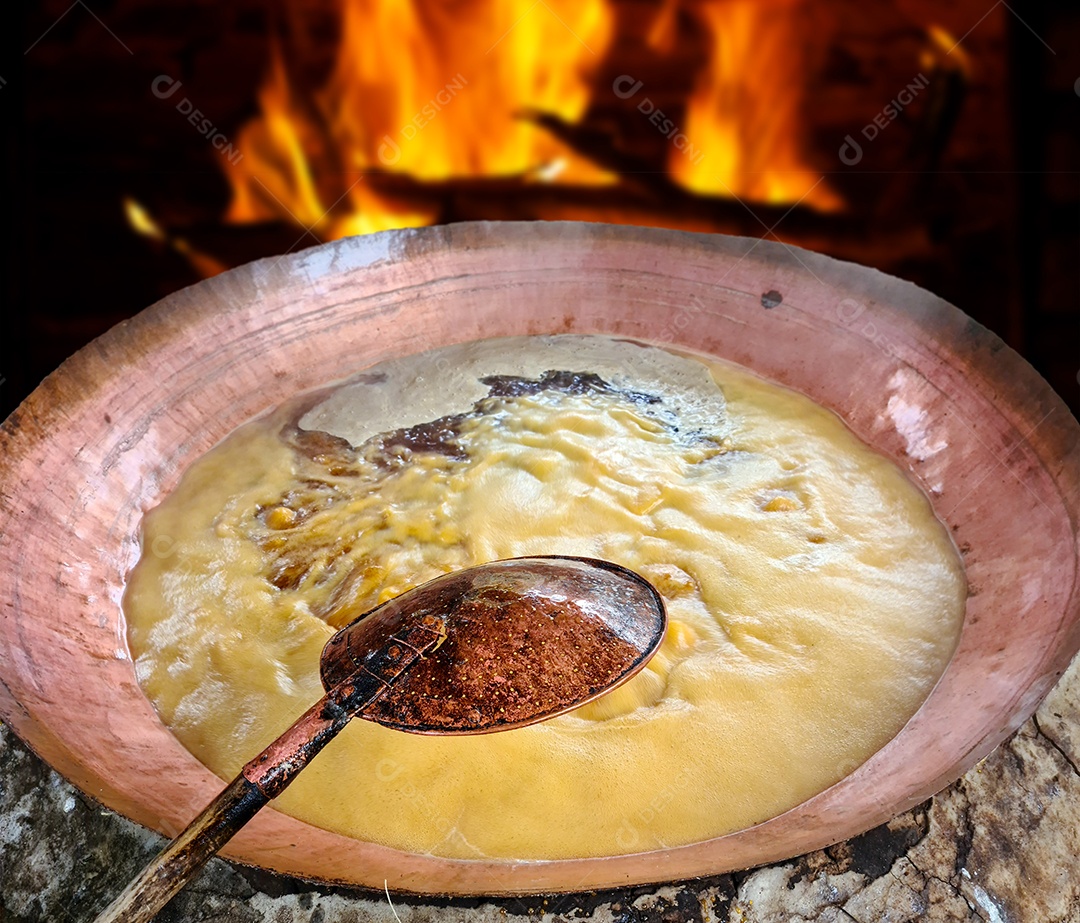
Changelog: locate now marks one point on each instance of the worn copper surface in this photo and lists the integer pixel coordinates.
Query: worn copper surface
(106, 437)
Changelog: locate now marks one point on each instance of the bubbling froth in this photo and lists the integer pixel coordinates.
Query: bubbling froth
(813, 597)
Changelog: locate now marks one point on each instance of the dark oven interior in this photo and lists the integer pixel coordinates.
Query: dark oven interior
(157, 143)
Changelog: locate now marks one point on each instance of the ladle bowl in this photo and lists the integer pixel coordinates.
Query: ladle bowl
(564, 631)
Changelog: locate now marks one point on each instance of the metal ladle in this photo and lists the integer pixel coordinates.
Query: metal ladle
(483, 649)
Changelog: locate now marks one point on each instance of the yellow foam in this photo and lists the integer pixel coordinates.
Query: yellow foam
(814, 601)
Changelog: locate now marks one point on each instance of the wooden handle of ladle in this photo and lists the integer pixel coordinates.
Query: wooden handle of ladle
(175, 865)
(264, 778)
(267, 776)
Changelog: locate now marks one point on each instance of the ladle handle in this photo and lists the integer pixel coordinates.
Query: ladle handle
(175, 865)
(264, 778)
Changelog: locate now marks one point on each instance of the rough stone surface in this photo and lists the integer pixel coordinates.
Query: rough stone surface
(998, 846)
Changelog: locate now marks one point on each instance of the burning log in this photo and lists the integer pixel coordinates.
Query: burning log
(654, 200)
(723, 155)
(854, 236)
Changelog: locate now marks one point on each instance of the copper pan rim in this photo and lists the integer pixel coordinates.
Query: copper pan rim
(108, 434)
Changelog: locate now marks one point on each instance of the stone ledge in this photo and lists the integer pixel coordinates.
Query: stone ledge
(998, 846)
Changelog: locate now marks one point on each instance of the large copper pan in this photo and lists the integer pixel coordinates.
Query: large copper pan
(106, 436)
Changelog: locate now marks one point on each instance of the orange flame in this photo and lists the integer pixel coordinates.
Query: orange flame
(427, 89)
(745, 110)
(435, 91)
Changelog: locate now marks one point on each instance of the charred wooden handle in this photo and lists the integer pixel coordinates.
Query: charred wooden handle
(183, 857)
(266, 776)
